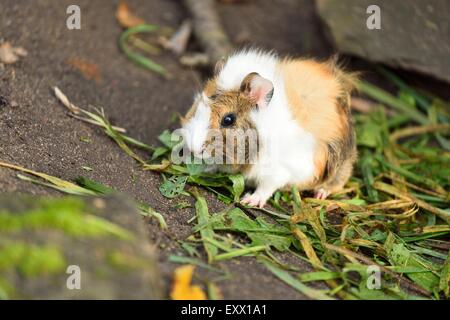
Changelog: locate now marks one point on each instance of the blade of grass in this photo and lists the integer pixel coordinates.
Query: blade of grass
(239, 252)
(135, 57)
(428, 182)
(143, 209)
(418, 130)
(57, 183)
(307, 247)
(196, 262)
(319, 276)
(444, 215)
(400, 255)
(287, 278)
(348, 253)
(385, 97)
(445, 277)
(203, 217)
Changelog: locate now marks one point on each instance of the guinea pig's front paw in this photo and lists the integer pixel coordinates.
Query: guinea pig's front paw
(253, 200)
(321, 194)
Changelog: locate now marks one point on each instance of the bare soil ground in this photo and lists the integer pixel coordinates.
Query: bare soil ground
(35, 131)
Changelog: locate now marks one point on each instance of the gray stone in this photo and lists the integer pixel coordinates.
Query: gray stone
(414, 34)
(41, 237)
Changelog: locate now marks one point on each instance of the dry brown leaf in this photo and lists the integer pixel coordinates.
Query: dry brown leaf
(182, 288)
(307, 247)
(126, 18)
(10, 54)
(88, 69)
(332, 207)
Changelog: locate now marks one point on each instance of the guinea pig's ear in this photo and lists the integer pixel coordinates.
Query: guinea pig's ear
(258, 88)
(219, 66)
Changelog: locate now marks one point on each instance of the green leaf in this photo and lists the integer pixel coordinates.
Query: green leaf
(281, 243)
(194, 169)
(369, 133)
(168, 139)
(160, 151)
(407, 98)
(173, 186)
(259, 231)
(190, 249)
(238, 186)
(399, 255)
(386, 292)
(203, 217)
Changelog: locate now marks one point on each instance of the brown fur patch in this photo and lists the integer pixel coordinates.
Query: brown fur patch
(210, 88)
(240, 105)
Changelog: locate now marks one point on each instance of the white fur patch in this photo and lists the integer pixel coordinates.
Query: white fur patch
(244, 62)
(196, 129)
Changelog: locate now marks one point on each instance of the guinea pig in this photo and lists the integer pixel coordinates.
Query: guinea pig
(299, 112)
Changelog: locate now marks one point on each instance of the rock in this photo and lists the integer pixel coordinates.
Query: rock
(45, 242)
(414, 34)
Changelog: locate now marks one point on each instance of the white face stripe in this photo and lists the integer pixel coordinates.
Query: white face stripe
(197, 127)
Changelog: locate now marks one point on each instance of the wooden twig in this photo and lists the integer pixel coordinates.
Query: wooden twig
(179, 40)
(208, 29)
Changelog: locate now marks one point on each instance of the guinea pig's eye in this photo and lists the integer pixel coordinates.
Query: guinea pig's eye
(228, 120)
(213, 97)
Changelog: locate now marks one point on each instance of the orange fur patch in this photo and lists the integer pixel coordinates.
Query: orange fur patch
(313, 91)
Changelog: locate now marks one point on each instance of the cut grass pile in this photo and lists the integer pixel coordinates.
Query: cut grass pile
(386, 236)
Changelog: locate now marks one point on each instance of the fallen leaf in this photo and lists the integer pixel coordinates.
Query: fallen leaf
(332, 207)
(126, 18)
(182, 288)
(10, 54)
(88, 69)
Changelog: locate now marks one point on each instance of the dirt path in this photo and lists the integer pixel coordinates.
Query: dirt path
(36, 133)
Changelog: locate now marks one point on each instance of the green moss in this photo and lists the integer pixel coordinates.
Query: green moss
(31, 260)
(6, 289)
(66, 214)
(125, 262)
